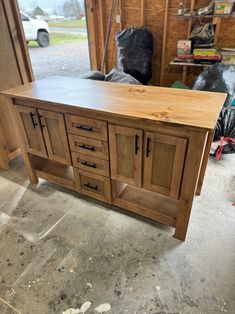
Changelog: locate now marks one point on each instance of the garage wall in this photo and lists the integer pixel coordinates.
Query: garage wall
(152, 14)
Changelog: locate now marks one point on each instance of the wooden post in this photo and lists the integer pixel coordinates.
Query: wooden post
(185, 69)
(142, 12)
(121, 14)
(164, 43)
(103, 31)
(92, 34)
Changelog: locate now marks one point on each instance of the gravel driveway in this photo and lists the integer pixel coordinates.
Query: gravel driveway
(66, 60)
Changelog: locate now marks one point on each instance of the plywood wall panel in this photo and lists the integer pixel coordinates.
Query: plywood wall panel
(226, 36)
(177, 29)
(154, 5)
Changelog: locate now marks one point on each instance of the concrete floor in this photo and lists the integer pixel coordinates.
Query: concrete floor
(58, 251)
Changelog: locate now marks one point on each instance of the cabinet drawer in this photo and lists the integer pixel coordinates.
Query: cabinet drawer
(89, 146)
(92, 164)
(87, 127)
(93, 185)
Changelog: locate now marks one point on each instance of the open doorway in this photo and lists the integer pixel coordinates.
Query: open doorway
(56, 32)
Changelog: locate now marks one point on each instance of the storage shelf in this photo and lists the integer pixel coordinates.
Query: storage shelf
(146, 203)
(226, 16)
(53, 171)
(192, 64)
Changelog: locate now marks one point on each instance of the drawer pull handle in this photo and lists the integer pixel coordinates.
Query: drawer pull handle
(84, 128)
(32, 118)
(136, 144)
(91, 186)
(88, 147)
(88, 164)
(148, 146)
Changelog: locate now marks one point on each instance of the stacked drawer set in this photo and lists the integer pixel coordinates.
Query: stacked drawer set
(88, 141)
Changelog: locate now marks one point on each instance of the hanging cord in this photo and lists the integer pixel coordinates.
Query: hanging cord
(112, 11)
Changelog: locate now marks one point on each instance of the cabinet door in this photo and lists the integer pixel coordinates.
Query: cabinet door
(163, 163)
(53, 127)
(31, 131)
(126, 154)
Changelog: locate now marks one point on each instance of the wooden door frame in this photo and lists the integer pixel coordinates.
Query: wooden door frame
(21, 53)
(15, 26)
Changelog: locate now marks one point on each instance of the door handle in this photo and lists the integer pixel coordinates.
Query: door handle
(32, 118)
(148, 146)
(40, 121)
(136, 144)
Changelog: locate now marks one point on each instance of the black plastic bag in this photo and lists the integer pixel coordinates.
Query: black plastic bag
(217, 78)
(225, 125)
(225, 132)
(135, 51)
(94, 75)
(118, 76)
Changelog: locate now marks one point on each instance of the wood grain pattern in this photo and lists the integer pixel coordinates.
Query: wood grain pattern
(126, 154)
(196, 147)
(171, 106)
(89, 146)
(91, 164)
(93, 185)
(163, 163)
(15, 70)
(86, 127)
(145, 203)
(54, 132)
(29, 125)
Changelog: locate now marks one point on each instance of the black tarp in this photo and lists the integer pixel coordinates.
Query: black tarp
(218, 77)
(135, 51)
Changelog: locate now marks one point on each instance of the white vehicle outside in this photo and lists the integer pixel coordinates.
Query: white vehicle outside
(36, 30)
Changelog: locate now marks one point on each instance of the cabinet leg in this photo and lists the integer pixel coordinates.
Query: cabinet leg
(204, 162)
(183, 221)
(4, 162)
(4, 153)
(31, 172)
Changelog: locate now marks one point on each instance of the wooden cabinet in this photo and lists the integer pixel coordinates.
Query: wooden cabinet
(126, 154)
(29, 124)
(163, 163)
(138, 148)
(44, 133)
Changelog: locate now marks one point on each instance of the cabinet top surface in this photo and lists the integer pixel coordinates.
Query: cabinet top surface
(183, 107)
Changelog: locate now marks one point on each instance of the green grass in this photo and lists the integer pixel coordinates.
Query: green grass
(69, 24)
(61, 39)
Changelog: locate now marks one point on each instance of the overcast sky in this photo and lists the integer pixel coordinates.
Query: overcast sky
(46, 5)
